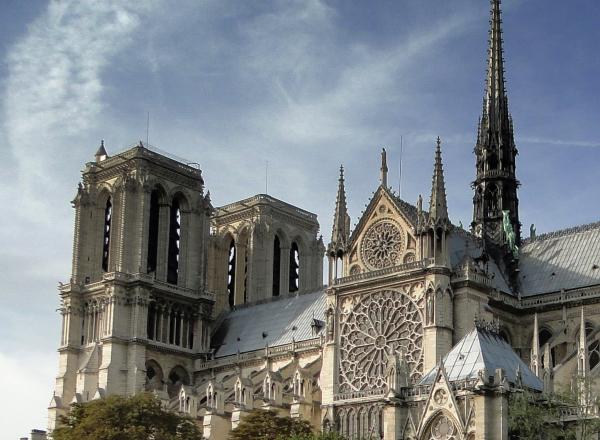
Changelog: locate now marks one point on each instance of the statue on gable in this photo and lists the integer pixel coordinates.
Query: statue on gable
(509, 233)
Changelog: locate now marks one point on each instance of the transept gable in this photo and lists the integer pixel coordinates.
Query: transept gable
(441, 411)
(387, 216)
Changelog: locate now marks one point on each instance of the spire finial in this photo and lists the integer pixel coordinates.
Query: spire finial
(341, 219)
(384, 168)
(101, 153)
(438, 209)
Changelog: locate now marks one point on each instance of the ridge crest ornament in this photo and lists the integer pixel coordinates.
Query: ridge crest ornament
(382, 246)
(376, 328)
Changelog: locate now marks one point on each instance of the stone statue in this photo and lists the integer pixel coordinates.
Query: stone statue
(509, 233)
(430, 307)
(532, 232)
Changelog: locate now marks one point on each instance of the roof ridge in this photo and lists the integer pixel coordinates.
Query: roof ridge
(271, 299)
(563, 232)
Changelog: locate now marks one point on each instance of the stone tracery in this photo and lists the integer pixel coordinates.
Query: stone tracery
(382, 245)
(380, 325)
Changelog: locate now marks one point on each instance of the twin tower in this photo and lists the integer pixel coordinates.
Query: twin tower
(155, 265)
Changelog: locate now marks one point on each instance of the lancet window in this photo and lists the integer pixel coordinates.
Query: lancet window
(231, 273)
(153, 229)
(294, 268)
(174, 242)
(276, 265)
(106, 234)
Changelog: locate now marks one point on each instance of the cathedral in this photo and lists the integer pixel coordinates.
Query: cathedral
(422, 330)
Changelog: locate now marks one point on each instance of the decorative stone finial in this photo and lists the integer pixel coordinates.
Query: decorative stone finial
(384, 168)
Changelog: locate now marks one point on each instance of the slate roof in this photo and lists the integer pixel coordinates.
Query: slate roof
(564, 259)
(463, 245)
(279, 320)
(482, 349)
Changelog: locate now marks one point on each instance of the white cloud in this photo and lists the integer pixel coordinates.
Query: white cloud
(26, 377)
(54, 85)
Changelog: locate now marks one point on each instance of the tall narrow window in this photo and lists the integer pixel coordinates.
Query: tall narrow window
(276, 265)
(294, 267)
(231, 274)
(174, 242)
(151, 324)
(106, 234)
(153, 232)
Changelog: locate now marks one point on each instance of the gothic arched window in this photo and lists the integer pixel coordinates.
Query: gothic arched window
(294, 267)
(276, 265)
(174, 242)
(153, 232)
(231, 273)
(491, 201)
(106, 234)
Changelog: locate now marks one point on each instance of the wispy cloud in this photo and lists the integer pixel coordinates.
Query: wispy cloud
(54, 85)
(560, 142)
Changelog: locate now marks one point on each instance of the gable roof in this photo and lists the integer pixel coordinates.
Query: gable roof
(409, 211)
(280, 321)
(565, 259)
(483, 349)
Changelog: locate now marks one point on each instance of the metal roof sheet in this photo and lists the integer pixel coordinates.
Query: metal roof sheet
(566, 259)
(463, 245)
(273, 323)
(481, 349)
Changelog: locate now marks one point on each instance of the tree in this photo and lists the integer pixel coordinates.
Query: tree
(140, 417)
(320, 436)
(267, 425)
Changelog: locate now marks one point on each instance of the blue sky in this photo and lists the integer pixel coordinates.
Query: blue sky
(304, 85)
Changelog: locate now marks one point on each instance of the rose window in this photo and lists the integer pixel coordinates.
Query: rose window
(443, 429)
(382, 245)
(379, 326)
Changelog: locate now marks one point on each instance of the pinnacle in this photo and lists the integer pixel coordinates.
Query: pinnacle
(438, 209)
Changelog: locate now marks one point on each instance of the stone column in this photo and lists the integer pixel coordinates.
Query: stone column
(240, 272)
(284, 271)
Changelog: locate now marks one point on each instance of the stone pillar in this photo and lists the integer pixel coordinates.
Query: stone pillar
(163, 241)
(215, 426)
(284, 271)
(394, 419)
(240, 272)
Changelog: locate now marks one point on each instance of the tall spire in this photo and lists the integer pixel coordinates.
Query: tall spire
(341, 219)
(495, 100)
(495, 183)
(384, 168)
(438, 209)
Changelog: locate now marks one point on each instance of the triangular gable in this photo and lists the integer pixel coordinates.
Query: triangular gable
(384, 205)
(402, 208)
(441, 400)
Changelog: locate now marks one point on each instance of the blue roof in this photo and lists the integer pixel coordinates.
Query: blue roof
(566, 259)
(274, 323)
(481, 349)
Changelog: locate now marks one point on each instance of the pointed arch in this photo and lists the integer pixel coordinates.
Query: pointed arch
(157, 198)
(106, 232)
(179, 204)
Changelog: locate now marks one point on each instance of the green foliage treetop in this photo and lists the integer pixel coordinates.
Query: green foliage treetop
(140, 417)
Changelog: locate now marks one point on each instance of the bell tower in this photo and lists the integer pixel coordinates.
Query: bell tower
(495, 183)
(137, 288)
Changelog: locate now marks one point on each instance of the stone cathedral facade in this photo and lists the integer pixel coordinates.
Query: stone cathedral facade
(421, 332)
